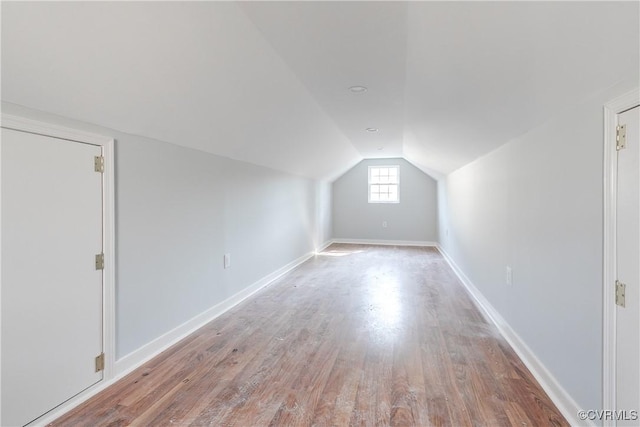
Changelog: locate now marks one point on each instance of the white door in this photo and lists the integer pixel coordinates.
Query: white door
(51, 290)
(628, 272)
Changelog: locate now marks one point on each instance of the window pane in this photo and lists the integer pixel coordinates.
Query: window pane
(393, 193)
(383, 184)
(393, 175)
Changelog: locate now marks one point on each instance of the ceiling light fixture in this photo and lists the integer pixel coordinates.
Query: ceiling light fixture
(371, 130)
(358, 89)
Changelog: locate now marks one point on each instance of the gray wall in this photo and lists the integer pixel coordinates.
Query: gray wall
(413, 219)
(178, 210)
(323, 213)
(535, 204)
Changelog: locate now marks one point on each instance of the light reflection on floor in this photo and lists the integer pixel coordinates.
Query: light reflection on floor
(384, 308)
(338, 253)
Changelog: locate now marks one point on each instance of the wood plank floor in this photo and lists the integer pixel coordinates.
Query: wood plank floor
(359, 335)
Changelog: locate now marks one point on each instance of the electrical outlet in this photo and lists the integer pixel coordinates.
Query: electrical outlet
(509, 276)
(384, 224)
(227, 260)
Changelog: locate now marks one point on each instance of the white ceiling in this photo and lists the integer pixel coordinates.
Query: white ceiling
(267, 82)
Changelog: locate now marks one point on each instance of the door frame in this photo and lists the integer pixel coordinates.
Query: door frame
(610, 180)
(107, 145)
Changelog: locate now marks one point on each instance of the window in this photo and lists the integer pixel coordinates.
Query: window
(384, 183)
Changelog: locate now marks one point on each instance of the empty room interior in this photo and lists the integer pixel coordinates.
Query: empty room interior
(320, 213)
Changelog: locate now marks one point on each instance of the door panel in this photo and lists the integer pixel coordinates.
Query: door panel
(51, 290)
(628, 271)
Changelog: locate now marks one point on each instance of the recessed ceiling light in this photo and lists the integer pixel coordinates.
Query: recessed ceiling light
(358, 89)
(380, 148)
(371, 129)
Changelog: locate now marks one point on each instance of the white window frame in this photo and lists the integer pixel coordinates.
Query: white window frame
(397, 183)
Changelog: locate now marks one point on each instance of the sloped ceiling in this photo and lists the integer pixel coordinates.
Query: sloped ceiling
(267, 82)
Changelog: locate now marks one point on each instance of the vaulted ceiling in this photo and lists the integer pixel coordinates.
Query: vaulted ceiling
(268, 82)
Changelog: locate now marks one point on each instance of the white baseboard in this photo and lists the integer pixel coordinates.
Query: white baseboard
(324, 246)
(567, 406)
(386, 242)
(135, 359)
(565, 403)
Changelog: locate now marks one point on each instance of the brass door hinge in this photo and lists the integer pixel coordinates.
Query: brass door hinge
(621, 137)
(620, 291)
(100, 362)
(98, 164)
(100, 262)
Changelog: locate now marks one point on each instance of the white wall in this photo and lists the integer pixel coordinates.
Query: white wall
(324, 217)
(535, 204)
(178, 210)
(413, 219)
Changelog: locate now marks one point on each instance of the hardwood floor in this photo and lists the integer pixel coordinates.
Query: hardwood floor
(359, 335)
